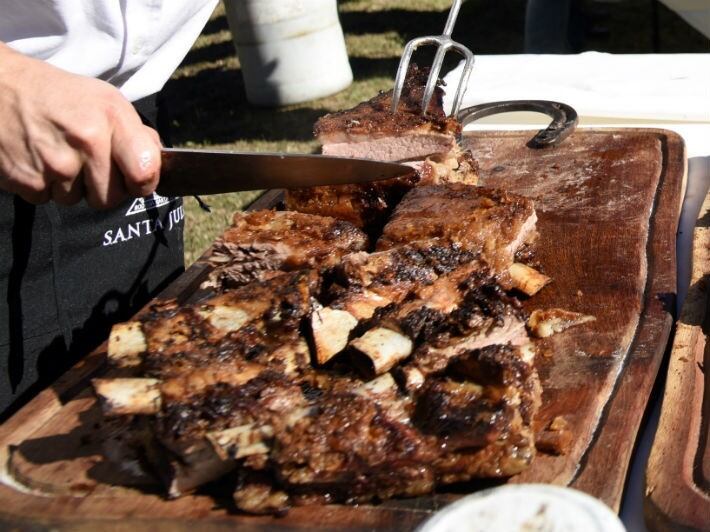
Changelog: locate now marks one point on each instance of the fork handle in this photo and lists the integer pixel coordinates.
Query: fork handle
(451, 20)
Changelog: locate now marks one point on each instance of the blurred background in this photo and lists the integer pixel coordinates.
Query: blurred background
(207, 103)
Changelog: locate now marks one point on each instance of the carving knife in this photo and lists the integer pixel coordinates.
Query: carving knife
(202, 172)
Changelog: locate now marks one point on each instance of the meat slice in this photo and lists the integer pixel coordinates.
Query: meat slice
(261, 242)
(368, 281)
(373, 454)
(461, 311)
(366, 205)
(370, 130)
(258, 323)
(493, 222)
(482, 406)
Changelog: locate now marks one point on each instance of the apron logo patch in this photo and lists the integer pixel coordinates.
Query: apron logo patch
(138, 229)
(149, 202)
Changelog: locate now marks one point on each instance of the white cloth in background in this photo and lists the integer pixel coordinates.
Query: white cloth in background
(644, 87)
(669, 91)
(133, 44)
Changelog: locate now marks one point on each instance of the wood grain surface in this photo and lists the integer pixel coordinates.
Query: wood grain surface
(677, 491)
(608, 203)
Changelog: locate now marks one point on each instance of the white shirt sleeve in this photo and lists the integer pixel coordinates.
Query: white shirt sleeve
(134, 44)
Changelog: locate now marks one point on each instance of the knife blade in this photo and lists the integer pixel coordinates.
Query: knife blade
(203, 172)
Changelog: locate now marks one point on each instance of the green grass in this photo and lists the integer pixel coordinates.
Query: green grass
(208, 106)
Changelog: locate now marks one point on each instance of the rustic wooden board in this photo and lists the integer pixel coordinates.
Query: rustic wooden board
(677, 494)
(608, 204)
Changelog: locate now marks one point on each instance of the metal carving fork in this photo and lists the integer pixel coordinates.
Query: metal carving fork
(444, 43)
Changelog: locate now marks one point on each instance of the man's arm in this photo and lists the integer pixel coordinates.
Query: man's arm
(64, 137)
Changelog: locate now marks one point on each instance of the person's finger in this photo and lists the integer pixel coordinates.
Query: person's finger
(103, 183)
(62, 175)
(156, 136)
(136, 151)
(112, 194)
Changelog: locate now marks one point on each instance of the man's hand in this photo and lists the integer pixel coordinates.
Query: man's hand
(64, 137)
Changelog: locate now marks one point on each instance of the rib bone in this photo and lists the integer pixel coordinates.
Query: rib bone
(239, 442)
(331, 329)
(126, 344)
(526, 279)
(544, 323)
(384, 347)
(120, 397)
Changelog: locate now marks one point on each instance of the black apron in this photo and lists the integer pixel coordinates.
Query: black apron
(68, 273)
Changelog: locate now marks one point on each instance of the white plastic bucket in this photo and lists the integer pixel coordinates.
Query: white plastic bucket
(290, 51)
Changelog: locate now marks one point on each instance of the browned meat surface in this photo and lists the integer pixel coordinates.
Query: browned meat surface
(373, 280)
(261, 242)
(334, 374)
(492, 222)
(456, 166)
(502, 458)
(365, 206)
(483, 408)
(265, 399)
(370, 455)
(462, 414)
(370, 130)
(257, 323)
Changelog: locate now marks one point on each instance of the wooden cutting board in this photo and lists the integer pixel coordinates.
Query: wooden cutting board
(608, 204)
(677, 493)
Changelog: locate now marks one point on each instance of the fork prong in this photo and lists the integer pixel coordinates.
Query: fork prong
(465, 76)
(403, 68)
(434, 75)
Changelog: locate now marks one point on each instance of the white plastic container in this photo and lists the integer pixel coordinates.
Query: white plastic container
(525, 508)
(290, 51)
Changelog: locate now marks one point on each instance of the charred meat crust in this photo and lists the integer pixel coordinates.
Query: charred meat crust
(374, 117)
(260, 242)
(475, 217)
(365, 206)
(221, 406)
(237, 388)
(406, 264)
(247, 324)
(462, 414)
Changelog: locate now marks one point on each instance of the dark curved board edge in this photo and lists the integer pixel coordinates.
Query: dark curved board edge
(604, 467)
